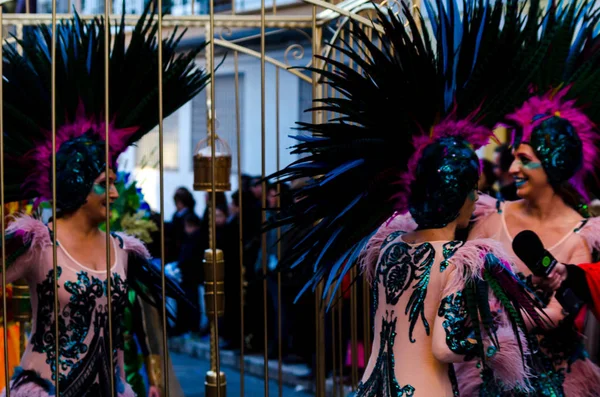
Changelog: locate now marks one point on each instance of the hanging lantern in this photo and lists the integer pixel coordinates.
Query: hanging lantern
(202, 165)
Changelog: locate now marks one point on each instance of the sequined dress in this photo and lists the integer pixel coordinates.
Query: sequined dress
(561, 361)
(84, 367)
(420, 322)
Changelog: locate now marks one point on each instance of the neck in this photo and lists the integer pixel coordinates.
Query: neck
(545, 206)
(79, 224)
(446, 233)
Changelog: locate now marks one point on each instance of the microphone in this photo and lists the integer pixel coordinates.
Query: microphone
(529, 248)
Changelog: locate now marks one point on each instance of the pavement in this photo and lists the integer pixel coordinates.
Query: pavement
(190, 372)
(191, 358)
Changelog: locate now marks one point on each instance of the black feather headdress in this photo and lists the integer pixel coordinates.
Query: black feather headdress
(410, 85)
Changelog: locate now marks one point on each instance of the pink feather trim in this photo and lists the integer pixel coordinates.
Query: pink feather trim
(485, 206)
(39, 159)
(27, 390)
(470, 259)
(553, 104)
(33, 231)
(590, 233)
(128, 391)
(134, 245)
(370, 255)
(506, 365)
(32, 390)
(583, 380)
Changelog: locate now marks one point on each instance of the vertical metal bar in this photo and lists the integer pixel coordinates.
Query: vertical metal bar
(2, 221)
(278, 165)
(333, 355)
(277, 148)
(354, 329)
(54, 222)
(161, 163)
(107, 193)
(213, 226)
(264, 191)
(366, 320)
(341, 341)
(317, 345)
(240, 200)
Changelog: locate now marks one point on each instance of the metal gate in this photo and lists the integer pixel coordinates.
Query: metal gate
(246, 32)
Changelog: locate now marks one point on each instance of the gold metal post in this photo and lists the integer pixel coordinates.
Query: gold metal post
(161, 162)
(354, 329)
(215, 383)
(2, 221)
(264, 191)
(240, 194)
(54, 223)
(21, 306)
(340, 342)
(107, 184)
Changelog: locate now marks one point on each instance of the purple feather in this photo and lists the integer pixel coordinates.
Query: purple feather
(41, 156)
(552, 104)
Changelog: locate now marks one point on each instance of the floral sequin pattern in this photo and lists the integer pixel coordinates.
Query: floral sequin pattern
(448, 250)
(382, 382)
(84, 365)
(458, 338)
(400, 266)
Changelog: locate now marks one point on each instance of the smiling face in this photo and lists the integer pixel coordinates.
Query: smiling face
(529, 175)
(96, 206)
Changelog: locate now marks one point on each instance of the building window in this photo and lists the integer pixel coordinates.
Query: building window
(146, 155)
(225, 123)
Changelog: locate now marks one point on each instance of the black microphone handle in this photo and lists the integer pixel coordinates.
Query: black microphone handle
(568, 299)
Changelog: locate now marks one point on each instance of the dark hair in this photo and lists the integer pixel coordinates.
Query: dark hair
(192, 219)
(505, 158)
(185, 197)
(446, 173)
(235, 198)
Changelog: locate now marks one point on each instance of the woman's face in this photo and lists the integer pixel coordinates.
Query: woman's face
(464, 216)
(96, 205)
(528, 173)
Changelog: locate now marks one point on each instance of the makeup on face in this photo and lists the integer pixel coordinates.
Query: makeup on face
(526, 163)
(99, 187)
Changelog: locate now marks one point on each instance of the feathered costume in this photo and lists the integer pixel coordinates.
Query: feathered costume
(403, 143)
(560, 123)
(84, 367)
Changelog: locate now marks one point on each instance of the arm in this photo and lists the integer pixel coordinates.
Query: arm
(452, 331)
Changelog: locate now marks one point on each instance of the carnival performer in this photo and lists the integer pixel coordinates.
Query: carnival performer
(555, 142)
(409, 124)
(84, 339)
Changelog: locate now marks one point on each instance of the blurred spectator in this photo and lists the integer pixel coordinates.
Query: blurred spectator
(487, 178)
(503, 160)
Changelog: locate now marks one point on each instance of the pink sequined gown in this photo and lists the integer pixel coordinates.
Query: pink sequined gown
(83, 319)
(564, 353)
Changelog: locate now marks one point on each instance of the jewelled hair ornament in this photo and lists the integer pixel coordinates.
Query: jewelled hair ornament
(361, 163)
(559, 119)
(80, 128)
(442, 171)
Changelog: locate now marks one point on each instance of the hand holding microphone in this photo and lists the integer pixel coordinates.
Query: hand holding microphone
(529, 248)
